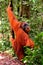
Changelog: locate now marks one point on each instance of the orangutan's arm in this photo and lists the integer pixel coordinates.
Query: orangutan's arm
(12, 19)
(30, 43)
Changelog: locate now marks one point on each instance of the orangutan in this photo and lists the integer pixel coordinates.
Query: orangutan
(21, 30)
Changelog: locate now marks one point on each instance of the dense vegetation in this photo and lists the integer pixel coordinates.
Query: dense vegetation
(30, 11)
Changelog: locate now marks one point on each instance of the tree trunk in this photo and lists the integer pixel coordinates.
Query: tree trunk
(24, 10)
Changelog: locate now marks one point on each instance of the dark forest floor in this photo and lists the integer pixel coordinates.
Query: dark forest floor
(7, 59)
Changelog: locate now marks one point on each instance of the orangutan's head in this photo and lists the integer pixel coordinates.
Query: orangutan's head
(25, 27)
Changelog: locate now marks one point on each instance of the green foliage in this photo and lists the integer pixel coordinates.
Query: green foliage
(33, 56)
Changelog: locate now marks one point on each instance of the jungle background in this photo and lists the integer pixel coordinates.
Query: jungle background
(30, 11)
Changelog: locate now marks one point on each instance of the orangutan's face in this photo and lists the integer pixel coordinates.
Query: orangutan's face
(25, 27)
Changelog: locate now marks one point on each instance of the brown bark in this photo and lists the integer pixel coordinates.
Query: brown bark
(25, 10)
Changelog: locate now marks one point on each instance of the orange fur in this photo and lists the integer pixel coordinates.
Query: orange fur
(22, 38)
